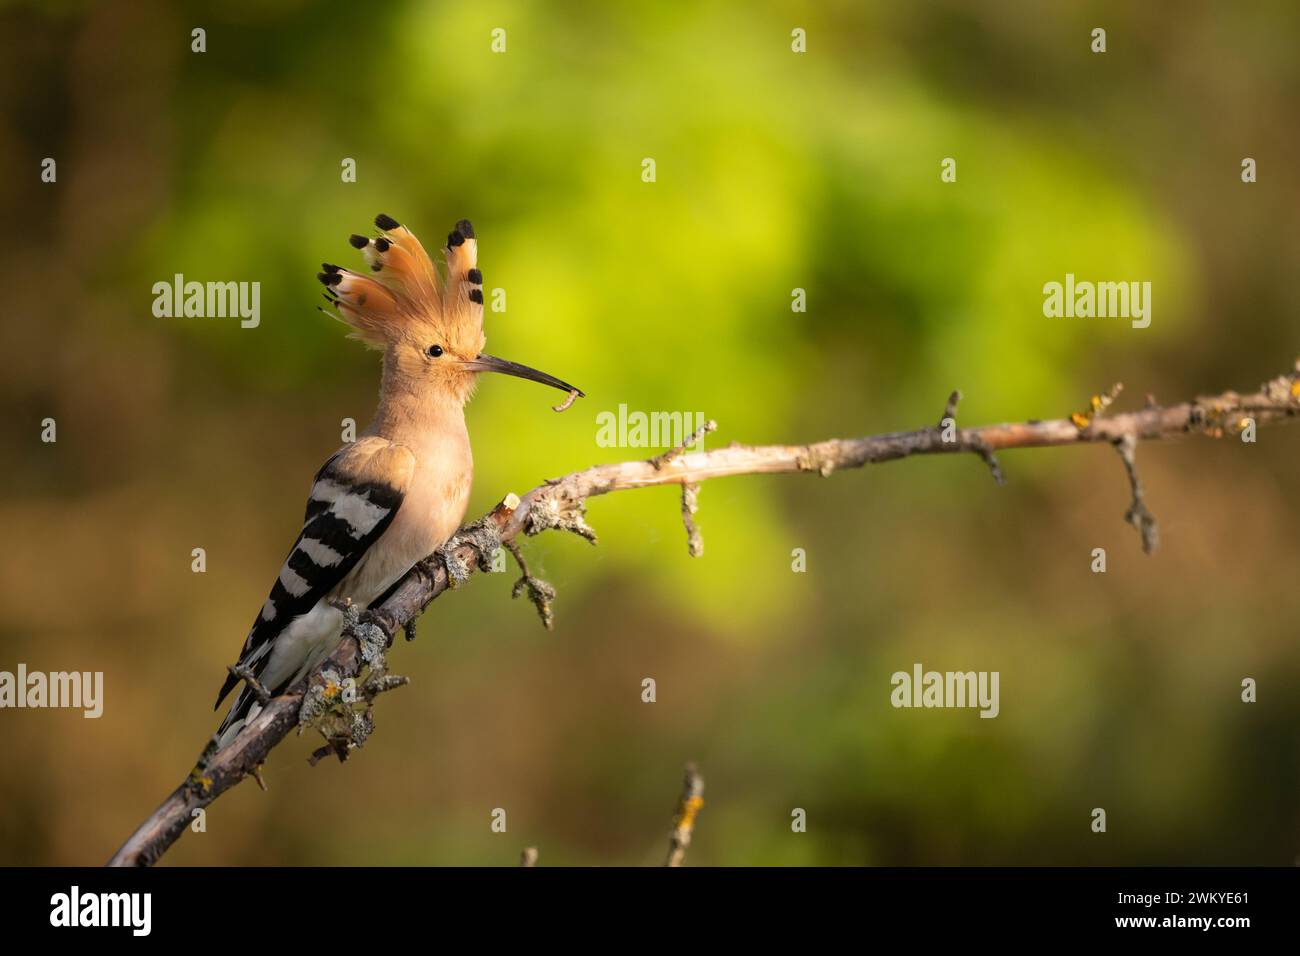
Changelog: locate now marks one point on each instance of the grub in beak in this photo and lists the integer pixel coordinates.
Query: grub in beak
(490, 363)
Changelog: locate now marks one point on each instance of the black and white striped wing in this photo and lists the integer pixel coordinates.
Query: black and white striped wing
(355, 497)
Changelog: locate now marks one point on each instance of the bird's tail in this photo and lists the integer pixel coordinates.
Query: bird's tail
(244, 709)
(247, 704)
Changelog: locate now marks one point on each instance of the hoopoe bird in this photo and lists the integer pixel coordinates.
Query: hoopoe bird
(399, 492)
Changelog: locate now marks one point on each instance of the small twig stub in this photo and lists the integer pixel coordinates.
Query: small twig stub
(691, 504)
(1138, 515)
(688, 808)
(540, 593)
(697, 436)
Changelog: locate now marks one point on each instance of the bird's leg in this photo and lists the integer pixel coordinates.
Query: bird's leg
(484, 535)
(373, 631)
(457, 570)
(245, 673)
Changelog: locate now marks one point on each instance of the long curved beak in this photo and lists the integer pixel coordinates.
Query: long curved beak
(490, 363)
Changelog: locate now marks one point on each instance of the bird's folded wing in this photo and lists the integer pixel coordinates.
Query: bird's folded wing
(354, 499)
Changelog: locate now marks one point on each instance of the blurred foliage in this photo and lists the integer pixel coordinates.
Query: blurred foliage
(774, 171)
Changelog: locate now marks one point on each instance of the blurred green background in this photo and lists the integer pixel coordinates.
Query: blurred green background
(775, 170)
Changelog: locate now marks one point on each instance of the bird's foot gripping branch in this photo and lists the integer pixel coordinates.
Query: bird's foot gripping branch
(560, 504)
(483, 535)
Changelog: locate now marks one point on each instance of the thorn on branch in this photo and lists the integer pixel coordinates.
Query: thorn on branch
(694, 439)
(256, 774)
(1138, 515)
(690, 504)
(540, 593)
(528, 857)
(688, 807)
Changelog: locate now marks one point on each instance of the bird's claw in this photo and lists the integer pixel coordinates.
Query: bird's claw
(457, 570)
(486, 539)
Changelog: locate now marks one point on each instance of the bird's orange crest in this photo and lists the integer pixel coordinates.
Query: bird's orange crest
(402, 299)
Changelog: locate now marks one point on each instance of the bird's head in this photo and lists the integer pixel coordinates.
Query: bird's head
(429, 323)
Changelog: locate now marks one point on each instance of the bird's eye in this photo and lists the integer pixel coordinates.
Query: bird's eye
(435, 350)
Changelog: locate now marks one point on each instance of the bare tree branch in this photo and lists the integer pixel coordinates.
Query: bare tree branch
(560, 504)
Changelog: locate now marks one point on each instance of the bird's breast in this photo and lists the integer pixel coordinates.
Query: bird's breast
(435, 503)
(431, 512)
